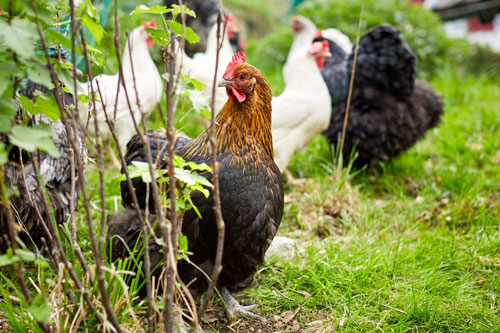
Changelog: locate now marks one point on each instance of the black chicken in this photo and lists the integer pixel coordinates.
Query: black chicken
(206, 16)
(55, 172)
(250, 183)
(389, 110)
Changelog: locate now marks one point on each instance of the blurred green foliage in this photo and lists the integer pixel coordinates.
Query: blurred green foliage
(421, 29)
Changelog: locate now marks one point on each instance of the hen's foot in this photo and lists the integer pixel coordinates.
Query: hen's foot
(115, 162)
(233, 308)
(293, 181)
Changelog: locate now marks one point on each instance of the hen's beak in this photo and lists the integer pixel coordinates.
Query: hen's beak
(225, 82)
(327, 54)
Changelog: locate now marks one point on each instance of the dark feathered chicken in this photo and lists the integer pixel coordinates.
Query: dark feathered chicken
(389, 110)
(206, 16)
(55, 173)
(250, 185)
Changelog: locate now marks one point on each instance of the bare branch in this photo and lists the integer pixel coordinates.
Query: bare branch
(351, 84)
(215, 171)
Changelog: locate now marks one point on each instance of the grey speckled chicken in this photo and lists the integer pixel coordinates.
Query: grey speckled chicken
(55, 172)
(251, 189)
(390, 110)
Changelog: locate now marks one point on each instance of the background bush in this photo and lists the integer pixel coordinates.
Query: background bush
(421, 29)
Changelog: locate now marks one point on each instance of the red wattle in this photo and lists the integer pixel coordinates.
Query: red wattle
(150, 42)
(239, 95)
(320, 61)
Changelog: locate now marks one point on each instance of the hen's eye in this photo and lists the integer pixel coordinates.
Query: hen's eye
(243, 76)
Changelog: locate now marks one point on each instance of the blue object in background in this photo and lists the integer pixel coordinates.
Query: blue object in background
(294, 5)
(102, 7)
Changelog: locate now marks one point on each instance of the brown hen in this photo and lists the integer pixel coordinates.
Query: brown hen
(250, 183)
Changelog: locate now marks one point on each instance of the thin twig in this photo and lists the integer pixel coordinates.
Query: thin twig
(97, 247)
(351, 84)
(149, 320)
(170, 251)
(215, 172)
(144, 139)
(57, 242)
(73, 197)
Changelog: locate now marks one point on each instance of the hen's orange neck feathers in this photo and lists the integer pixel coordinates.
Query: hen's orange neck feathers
(242, 126)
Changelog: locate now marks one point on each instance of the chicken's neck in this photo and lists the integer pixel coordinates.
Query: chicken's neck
(241, 128)
(136, 53)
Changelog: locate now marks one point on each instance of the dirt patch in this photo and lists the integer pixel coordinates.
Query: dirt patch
(215, 320)
(321, 207)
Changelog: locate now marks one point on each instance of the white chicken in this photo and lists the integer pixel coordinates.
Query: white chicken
(143, 88)
(339, 38)
(202, 66)
(303, 110)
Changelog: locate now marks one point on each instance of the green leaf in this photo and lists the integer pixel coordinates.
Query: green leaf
(66, 77)
(193, 83)
(207, 114)
(40, 310)
(44, 14)
(190, 178)
(20, 35)
(200, 100)
(141, 169)
(141, 9)
(25, 255)
(8, 258)
(9, 68)
(39, 74)
(33, 138)
(54, 37)
(93, 50)
(176, 10)
(191, 37)
(183, 243)
(159, 36)
(201, 166)
(20, 255)
(88, 7)
(95, 29)
(46, 104)
(83, 98)
(8, 109)
(3, 154)
(27, 104)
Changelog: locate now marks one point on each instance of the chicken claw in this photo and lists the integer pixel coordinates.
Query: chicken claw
(233, 308)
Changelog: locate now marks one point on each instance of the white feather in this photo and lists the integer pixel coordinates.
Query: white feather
(303, 109)
(148, 84)
(338, 38)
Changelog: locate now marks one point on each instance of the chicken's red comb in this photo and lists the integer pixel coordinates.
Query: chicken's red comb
(319, 34)
(326, 46)
(238, 59)
(150, 24)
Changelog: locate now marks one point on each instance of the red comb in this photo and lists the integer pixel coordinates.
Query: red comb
(238, 59)
(319, 34)
(326, 46)
(150, 24)
(230, 19)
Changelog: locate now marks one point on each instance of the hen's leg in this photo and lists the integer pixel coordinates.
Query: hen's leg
(115, 162)
(233, 308)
